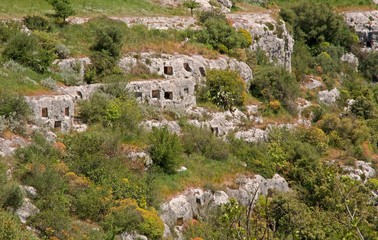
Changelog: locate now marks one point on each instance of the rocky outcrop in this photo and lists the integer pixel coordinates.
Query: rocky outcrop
(197, 203)
(329, 97)
(172, 126)
(180, 66)
(9, 144)
(26, 210)
(361, 171)
(165, 93)
(351, 59)
(365, 24)
(268, 34)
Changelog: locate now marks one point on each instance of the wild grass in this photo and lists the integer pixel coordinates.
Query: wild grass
(21, 80)
(201, 172)
(20, 8)
(138, 38)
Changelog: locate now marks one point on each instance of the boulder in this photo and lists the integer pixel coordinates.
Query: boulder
(329, 97)
(351, 59)
(26, 210)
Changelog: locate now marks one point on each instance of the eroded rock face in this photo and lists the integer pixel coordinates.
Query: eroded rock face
(180, 66)
(197, 203)
(267, 34)
(56, 111)
(366, 26)
(165, 93)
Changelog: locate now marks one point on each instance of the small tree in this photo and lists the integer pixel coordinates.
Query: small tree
(225, 88)
(191, 4)
(165, 149)
(62, 8)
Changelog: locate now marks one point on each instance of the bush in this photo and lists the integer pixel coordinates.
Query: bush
(93, 203)
(10, 228)
(369, 66)
(224, 88)
(315, 23)
(275, 83)
(13, 105)
(53, 218)
(121, 111)
(28, 51)
(203, 141)
(165, 149)
(106, 51)
(220, 35)
(8, 30)
(127, 216)
(37, 23)
(14, 112)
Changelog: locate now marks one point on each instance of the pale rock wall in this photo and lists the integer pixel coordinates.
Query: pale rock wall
(198, 203)
(165, 93)
(365, 23)
(183, 66)
(268, 34)
(55, 111)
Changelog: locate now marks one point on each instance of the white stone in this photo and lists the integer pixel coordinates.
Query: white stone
(329, 97)
(26, 210)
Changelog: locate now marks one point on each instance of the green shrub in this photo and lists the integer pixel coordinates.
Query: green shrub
(8, 30)
(275, 83)
(224, 88)
(92, 203)
(369, 66)
(127, 216)
(106, 51)
(315, 23)
(13, 106)
(151, 226)
(122, 218)
(14, 112)
(10, 228)
(54, 216)
(12, 196)
(203, 141)
(29, 51)
(119, 111)
(37, 23)
(165, 149)
(218, 34)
